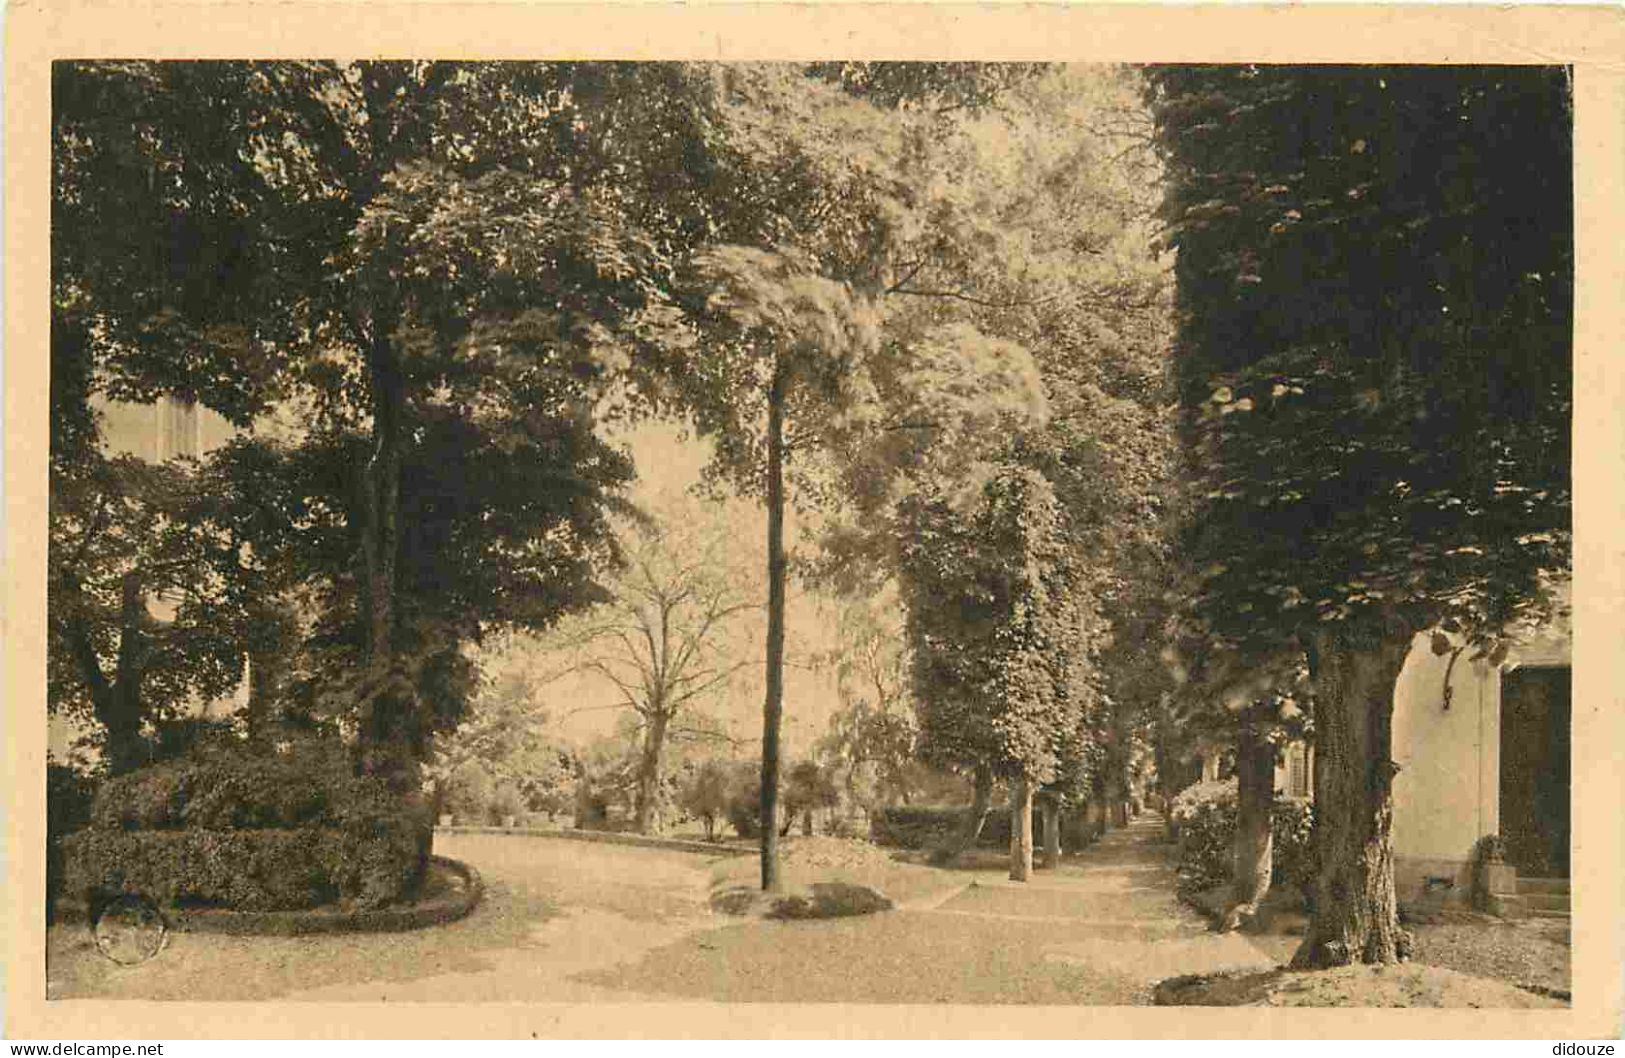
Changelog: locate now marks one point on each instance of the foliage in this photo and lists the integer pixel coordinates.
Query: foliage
(1375, 405)
(744, 805)
(911, 827)
(808, 785)
(501, 741)
(994, 618)
(1205, 816)
(372, 245)
(69, 795)
(706, 795)
(251, 830)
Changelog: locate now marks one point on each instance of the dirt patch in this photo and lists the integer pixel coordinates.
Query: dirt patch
(1407, 985)
(1533, 954)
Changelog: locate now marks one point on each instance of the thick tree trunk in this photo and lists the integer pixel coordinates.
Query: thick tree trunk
(1021, 829)
(773, 706)
(1355, 917)
(1052, 833)
(1254, 847)
(647, 814)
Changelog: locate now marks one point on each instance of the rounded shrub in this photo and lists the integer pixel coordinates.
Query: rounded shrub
(229, 826)
(1204, 815)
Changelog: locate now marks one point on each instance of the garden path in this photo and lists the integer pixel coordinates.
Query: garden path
(575, 922)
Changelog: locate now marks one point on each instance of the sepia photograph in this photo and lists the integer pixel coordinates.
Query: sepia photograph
(868, 533)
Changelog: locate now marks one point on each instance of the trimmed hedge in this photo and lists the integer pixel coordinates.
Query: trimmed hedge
(925, 828)
(252, 831)
(915, 828)
(69, 795)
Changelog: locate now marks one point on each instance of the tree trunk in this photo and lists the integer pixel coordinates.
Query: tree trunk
(647, 813)
(1021, 829)
(1355, 917)
(1052, 833)
(773, 706)
(981, 803)
(1255, 840)
(118, 703)
(385, 736)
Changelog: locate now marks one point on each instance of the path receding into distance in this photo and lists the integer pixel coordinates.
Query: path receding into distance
(568, 921)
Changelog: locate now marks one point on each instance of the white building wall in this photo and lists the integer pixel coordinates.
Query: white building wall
(1447, 792)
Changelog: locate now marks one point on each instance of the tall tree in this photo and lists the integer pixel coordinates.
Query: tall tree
(1375, 290)
(1043, 248)
(820, 219)
(440, 264)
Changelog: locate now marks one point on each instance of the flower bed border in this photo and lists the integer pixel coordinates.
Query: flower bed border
(321, 920)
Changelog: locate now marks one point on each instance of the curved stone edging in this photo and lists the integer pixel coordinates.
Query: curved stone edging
(329, 920)
(608, 837)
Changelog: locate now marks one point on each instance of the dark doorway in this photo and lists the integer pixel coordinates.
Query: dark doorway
(1535, 708)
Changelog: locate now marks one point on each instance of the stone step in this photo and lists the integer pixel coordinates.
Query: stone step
(1543, 885)
(1543, 913)
(1545, 901)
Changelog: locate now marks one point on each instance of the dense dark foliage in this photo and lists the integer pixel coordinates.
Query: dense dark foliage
(1375, 273)
(248, 830)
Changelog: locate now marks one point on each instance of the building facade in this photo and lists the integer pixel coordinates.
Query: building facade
(1483, 750)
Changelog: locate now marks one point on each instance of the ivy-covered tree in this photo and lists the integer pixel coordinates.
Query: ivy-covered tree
(1375, 300)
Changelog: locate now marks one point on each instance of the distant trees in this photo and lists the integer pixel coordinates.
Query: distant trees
(1375, 292)
(662, 638)
(504, 735)
(705, 795)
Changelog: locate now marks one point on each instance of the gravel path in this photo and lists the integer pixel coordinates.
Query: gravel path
(1100, 930)
(575, 922)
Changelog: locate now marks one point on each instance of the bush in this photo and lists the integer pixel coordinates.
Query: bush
(69, 794)
(230, 787)
(744, 809)
(1205, 817)
(913, 827)
(1292, 821)
(505, 802)
(917, 828)
(705, 795)
(253, 831)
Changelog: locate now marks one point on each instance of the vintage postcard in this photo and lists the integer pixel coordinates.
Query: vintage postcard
(532, 520)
